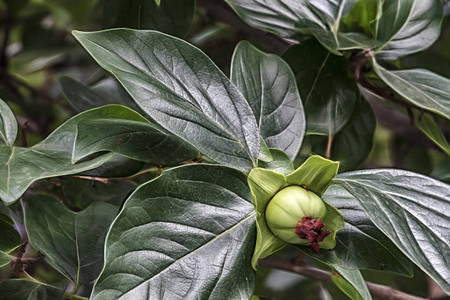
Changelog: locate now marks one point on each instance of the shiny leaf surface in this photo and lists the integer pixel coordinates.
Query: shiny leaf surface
(360, 244)
(411, 209)
(182, 90)
(72, 242)
(407, 26)
(267, 82)
(327, 92)
(185, 235)
(420, 87)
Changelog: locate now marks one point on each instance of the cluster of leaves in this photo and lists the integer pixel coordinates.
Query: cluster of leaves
(191, 231)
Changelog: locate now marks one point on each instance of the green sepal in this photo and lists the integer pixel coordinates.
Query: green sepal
(316, 173)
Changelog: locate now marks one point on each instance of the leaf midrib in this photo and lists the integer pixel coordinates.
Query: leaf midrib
(248, 217)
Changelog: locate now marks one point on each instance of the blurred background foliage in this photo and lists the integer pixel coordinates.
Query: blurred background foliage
(37, 52)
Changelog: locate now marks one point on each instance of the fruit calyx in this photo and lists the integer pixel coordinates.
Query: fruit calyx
(311, 230)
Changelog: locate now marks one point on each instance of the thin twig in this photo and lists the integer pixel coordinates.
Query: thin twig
(329, 146)
(377, 290)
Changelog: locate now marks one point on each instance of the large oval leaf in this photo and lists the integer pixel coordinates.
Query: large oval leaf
(54, 156)
(72, 242)
(420, 87)
(170, 16)
(188, 234)
(327, 92)
(412, 210)
(182, 90)
(407, 26)
(269, 86)
(360, 244)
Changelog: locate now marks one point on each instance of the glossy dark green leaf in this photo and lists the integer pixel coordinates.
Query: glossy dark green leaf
(353, 143)
(186, 235)
(173, 17)
(22, 289)
(83, 97)
(72, 242)
(82, 193)
(287, 18)
(331, 13)
(182, 90)
(58, 154)
(420, 87)
(407, 26)
(8, 125)
(116, 166)
(9, 239)
(80, 95)
(411, 209)
(267, 82)
(352, 283)
(327, 91)
(360, 244)
(133, 138)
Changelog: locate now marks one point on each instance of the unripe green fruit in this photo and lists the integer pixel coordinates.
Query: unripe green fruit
(289, 207)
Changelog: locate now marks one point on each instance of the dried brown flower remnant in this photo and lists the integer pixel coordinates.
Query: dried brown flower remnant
(311, 230)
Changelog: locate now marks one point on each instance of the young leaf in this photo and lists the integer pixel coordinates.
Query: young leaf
(411, 210)
(407, 26)
(173, 17)
(187, 234)
(352, 283)
(72, 242)
(8, 125)
(427, 124)
(267, 82)
(182, 90)
(327, 92)
(420, 87)
(22, 289)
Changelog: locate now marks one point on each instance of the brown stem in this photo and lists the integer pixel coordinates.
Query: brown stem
(329, 146)
(99, 179)
(377, 290)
